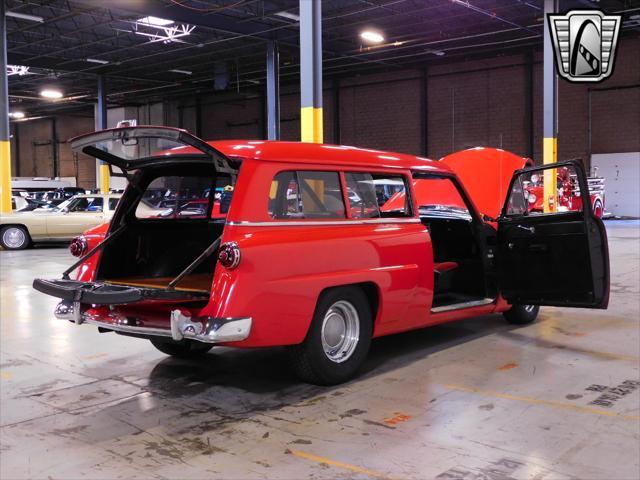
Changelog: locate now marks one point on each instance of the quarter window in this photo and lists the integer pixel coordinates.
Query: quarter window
(306, 194)
(377, 195)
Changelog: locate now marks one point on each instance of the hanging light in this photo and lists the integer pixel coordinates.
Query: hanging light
(371, 36)
(51, 93)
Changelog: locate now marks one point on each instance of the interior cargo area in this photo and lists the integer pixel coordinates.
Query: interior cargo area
(458, 271)
(151, 253)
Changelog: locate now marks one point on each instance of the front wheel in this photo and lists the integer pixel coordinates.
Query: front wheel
(522, 314)
(182, 349)
(338, 339)
(14, 237)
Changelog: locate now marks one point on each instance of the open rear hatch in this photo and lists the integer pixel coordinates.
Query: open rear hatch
(128, 149)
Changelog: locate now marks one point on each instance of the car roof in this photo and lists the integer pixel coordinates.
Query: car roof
(314, 153)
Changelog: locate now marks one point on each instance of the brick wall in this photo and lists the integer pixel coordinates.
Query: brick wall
(470, 103)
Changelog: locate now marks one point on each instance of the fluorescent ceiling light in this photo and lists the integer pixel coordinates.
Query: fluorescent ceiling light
(154, 21)
(290, 16)
(16, 114)
(186, 72)
(50, 93)
(438, 53)
(17, 70)
(24, 16)
(371, 36)
(97, 60)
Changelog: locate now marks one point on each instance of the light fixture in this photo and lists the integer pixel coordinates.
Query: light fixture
(24, 16)
(185, 72)
(16, 114)
(97, 60)
(17, 70)
(154, 21)
(371, 36)
(50, 93)
(290, 16)
(438, 53)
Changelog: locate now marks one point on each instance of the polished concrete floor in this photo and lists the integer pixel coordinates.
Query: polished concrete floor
(477, 399)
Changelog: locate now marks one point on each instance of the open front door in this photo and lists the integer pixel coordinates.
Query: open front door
(553, 252)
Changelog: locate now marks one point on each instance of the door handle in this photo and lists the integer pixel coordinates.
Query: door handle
(531, 230)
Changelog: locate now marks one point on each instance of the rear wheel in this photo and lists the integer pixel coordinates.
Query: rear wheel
(338, 339)
(14, 237)
(182, 349)
(522, 314)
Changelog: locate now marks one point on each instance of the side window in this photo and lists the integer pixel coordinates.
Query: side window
(377, 195)
(306, 194)
(86, 204)
(113, 203)
(559, 186)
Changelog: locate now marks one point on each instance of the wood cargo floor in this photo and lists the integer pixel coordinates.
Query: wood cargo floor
(199, 282)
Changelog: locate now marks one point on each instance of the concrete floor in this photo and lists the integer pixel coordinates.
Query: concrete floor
(471, 400)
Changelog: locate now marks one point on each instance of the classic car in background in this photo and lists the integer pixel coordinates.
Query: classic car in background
(301, 262)
(568, 195)
(19, 230)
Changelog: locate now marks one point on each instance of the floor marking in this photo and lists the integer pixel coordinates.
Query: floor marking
(507, 366)
(333, 463)
(4, 375)
(537, 401)
(397, 418)
(94, 356)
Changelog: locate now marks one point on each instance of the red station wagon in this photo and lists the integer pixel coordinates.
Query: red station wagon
(321, 247)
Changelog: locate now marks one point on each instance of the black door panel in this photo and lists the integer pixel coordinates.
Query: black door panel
(552, 258)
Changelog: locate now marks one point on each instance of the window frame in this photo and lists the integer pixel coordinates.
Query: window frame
(411, 210)
(296, 175)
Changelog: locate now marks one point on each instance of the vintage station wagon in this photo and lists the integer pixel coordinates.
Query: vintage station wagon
(321, 247)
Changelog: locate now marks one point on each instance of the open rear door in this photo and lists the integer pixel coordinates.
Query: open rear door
(130, 148)
(552, 252)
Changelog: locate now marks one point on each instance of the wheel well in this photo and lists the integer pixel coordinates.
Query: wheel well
(2, 227)
(371, 292)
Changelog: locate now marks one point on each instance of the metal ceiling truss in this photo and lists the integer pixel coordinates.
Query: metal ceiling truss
(143, 62)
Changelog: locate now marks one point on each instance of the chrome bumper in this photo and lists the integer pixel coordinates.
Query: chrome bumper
(201, 329)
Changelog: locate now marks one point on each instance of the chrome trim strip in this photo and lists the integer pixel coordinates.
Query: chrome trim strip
(210, 330)
(460, 306)
(312, 223)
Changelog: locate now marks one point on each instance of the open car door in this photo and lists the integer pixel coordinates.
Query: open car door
(552, 249)
(130, 148)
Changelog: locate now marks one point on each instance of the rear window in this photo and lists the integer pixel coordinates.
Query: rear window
(306, 194)
(185, 197)
(374, 195)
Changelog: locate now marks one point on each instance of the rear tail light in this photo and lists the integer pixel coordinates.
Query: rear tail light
(229, 255)
(78, 246)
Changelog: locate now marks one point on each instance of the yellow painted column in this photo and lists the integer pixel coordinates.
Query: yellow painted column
(550, 155)
(104, 178)
(5, 176)
(311, 124)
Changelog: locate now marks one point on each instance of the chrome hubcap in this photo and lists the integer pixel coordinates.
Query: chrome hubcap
(13, 237)
(529, 308)
(340, 331)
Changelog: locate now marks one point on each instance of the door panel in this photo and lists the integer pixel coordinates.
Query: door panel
(553, 254)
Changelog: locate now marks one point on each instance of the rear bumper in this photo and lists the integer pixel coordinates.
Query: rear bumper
(181, 327)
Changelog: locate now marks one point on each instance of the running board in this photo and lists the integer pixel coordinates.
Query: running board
(460, 306)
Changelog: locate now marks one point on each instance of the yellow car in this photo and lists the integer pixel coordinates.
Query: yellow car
(19, 230)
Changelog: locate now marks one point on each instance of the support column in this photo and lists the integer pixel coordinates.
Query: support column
(424, 111)
(101, 124)
(5, 150)
(550, 117)
(311, 71)
(273, 91)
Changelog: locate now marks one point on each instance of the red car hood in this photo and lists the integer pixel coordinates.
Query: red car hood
(485, 173)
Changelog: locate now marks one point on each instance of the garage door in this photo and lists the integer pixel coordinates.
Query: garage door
(622, 174)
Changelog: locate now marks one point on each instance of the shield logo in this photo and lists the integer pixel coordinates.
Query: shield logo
(585, 44)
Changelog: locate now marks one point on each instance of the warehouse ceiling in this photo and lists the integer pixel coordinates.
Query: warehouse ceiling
(209, 45)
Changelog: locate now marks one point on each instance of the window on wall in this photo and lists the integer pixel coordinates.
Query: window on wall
(374, 195)
(306, 194)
